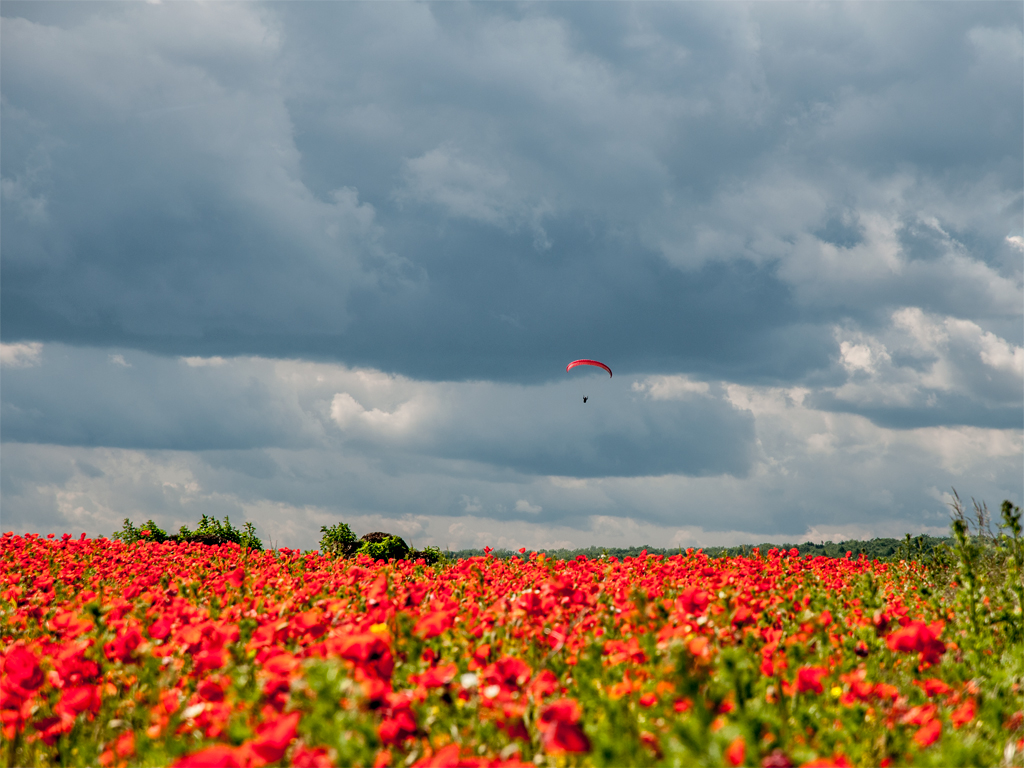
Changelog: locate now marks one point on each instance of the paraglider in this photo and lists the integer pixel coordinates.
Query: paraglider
(595, 363)
(574, 363)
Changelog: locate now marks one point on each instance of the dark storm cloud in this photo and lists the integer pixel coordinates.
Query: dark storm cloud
(481, 191)
(91, 398)
(793, 229)
(940, 409)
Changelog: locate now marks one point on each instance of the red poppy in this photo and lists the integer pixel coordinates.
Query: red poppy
(211, 690)
(208, 661)
(736, 752)
(920, 637)
(310, 623)
(508, 671)
(81, 698)
(963, 714)
(160, 628)
(272, 742)
(743, 616)
(565, 737)
(560, 711)
(928, 733)
(217, 756)
(368, 650)
(434, 624)
(21, 670)
(693, 600)
(933, 687)
(281, 664)
(437, 676)
(123, 646)
(808, 679)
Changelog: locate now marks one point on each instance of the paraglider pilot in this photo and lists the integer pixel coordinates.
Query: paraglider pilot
(584, 398)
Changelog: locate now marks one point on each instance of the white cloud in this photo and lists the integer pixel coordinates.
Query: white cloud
(861, 357)
(404, 420)
(679, 387)
(522, 505)
(21, 355)
(202, 362)
(118, 359)
(920, 354)
(471, 190)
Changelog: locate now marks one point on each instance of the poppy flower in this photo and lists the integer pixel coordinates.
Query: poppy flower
(561, 711)
(808, 679)
(368, 650)
(21, 670)
(928, 733)
(736, 752)
(920, 637)
(508, 671)
(565, 737)
(933, 687)
(437, 676)
(272, 742)
(217, 756)
(123, 646)
(434, 624)
(963, 714)
(693, 600)
(81, 698)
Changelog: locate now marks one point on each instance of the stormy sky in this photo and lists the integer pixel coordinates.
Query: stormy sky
(301, 263)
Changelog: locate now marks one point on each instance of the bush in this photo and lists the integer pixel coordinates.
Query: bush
(212, 531)
(431, 555)
(149, 531)
(383, 546)
(337, 540)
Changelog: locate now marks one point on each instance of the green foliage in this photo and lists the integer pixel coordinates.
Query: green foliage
(390, 547)
(129, 533)
(212, 531)
(989, 565)
(249, 539)
(875, 549)
(432, 556)
(336, 539)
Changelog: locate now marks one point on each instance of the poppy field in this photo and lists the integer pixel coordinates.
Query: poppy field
(118, 654)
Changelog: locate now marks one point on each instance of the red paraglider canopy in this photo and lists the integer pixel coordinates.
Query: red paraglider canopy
(574, 363)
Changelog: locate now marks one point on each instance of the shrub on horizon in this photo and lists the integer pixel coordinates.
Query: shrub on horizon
(337, 540)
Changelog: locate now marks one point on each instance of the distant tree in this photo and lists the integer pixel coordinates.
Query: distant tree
(148, 531)
(212, 531)
(337, 540)
(383, 546)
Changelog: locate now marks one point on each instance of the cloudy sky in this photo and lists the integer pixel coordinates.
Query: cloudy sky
(299, 263)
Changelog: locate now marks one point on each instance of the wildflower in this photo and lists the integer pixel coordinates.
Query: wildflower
(273, 740)
(693, 601)
(736, 752)
(920, 637)
(963, 714)
(217, 756)
(928, 733)
(808, 679)
(21, 670)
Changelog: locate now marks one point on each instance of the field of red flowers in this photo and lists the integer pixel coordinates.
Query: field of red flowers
(120, 654)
